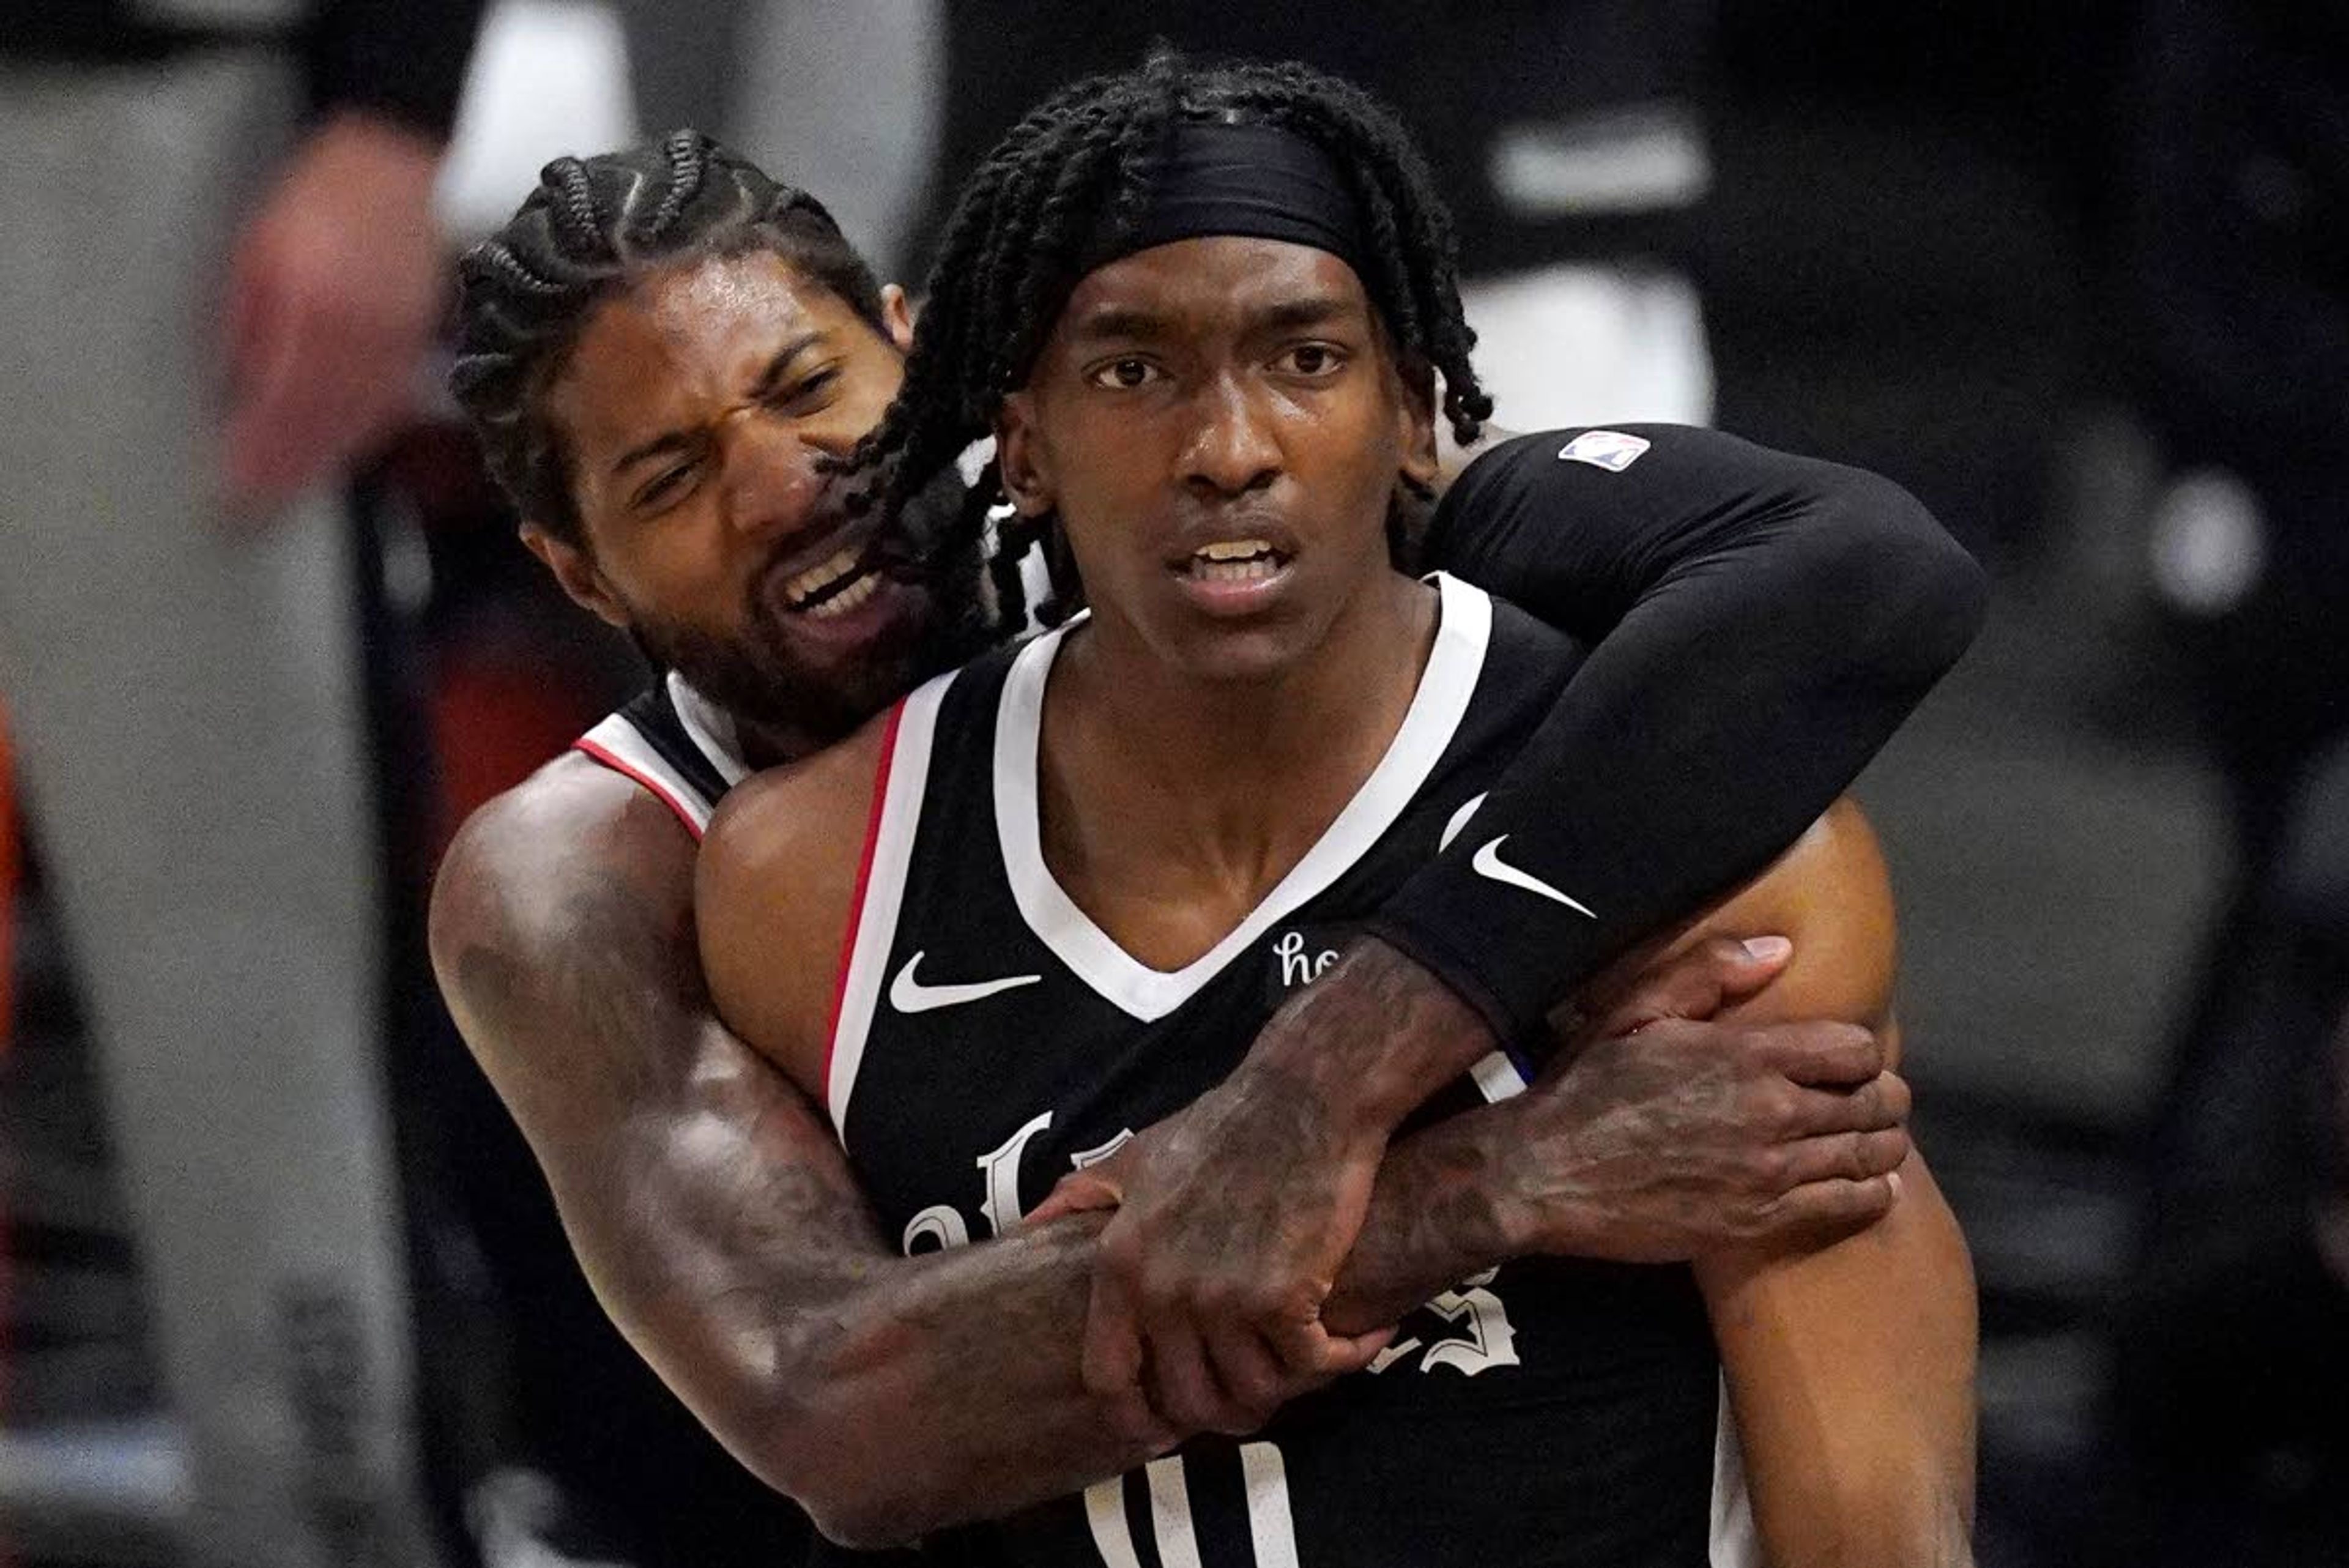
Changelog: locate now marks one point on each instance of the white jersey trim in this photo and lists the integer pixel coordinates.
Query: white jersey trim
(888, 857)
(1497, 1078)
(1735, 1543)
(711, 728)
(1446, 686)
(617, 744)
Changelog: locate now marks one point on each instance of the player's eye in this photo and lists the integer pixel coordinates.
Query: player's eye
(1312, 360)
(1124, 374)
(669, 485)
(804, 396)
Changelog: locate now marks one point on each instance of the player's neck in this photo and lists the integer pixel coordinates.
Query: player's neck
(1152, 776)
(765, 745)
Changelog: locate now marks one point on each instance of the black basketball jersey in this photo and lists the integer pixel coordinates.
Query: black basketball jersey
(988, 1037)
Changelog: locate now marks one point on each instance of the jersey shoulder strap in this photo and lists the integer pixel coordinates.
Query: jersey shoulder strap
(676, 744)
(931, 794)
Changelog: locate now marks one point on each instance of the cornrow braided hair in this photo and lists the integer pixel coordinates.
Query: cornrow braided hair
(593, 228)
(1081, 160)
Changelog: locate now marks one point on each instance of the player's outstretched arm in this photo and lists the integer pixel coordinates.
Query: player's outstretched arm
(1768, 621)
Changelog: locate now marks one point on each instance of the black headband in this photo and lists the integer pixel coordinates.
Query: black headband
(1259, 181)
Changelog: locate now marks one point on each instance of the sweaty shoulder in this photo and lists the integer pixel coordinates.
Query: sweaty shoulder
(515, 869)
(776, 885)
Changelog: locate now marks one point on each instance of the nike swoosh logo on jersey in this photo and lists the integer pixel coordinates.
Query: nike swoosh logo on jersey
(907, 994)
(1489, 863)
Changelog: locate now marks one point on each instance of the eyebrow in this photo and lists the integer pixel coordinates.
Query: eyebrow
(679, 440)
(1291, 315)
(1113, 321)
(1283, 315)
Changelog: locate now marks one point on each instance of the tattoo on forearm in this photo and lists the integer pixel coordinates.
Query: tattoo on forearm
(1432, 1223)
(722, 1223)
(1377, 1032)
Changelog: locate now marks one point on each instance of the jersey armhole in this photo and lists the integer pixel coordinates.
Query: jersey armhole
(850, 931)
(589, 747)
(900, 780)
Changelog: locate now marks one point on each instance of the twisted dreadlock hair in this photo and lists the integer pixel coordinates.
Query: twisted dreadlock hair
(594, 227)
(1011, 254)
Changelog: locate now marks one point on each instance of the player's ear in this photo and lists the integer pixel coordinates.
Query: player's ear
(576, 571)
(1415, 420)
(1017, 455)
(897, 316)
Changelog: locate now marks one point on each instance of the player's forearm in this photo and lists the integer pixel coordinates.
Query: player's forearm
(1364, 1045)
(1502, 1181)
(950, 1390)
(1850, 1367)
(1438, 1215)
(887, 1395)
(1895, 1520)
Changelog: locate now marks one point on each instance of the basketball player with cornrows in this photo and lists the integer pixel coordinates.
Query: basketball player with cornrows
(719, 358)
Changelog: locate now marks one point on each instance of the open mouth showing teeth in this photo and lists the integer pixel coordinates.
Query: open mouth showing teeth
(833, 588)
(1234, 561)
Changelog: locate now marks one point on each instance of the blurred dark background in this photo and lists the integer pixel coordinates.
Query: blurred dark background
(2077, 274)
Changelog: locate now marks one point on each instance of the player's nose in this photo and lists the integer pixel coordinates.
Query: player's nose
(1230, 448)
(772, 478)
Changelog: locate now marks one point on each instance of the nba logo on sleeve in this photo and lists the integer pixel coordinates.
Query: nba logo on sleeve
(1610, 450)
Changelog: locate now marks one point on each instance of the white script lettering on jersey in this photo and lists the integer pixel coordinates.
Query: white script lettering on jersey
(1298, 967)
(1475, 1335)
(998, 1187)
(1480, 1335)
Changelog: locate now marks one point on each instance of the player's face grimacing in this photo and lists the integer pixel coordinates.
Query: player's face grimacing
(698, 408)
(1221, 425)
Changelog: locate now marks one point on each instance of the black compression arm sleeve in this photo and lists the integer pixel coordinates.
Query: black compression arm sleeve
(1761, 624)
(403, 59)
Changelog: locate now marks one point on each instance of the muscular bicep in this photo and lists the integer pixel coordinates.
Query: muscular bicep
(562, 937)
(704, 1198)
(1850, 1361)
(1831, 894)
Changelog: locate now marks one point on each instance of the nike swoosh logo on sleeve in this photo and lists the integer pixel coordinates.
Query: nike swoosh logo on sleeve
(907, 994)
(1488, 864)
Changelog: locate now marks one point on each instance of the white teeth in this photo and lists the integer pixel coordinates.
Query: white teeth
(815, 579)
(1253, 571)
(1233, 549)
(846, 599)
